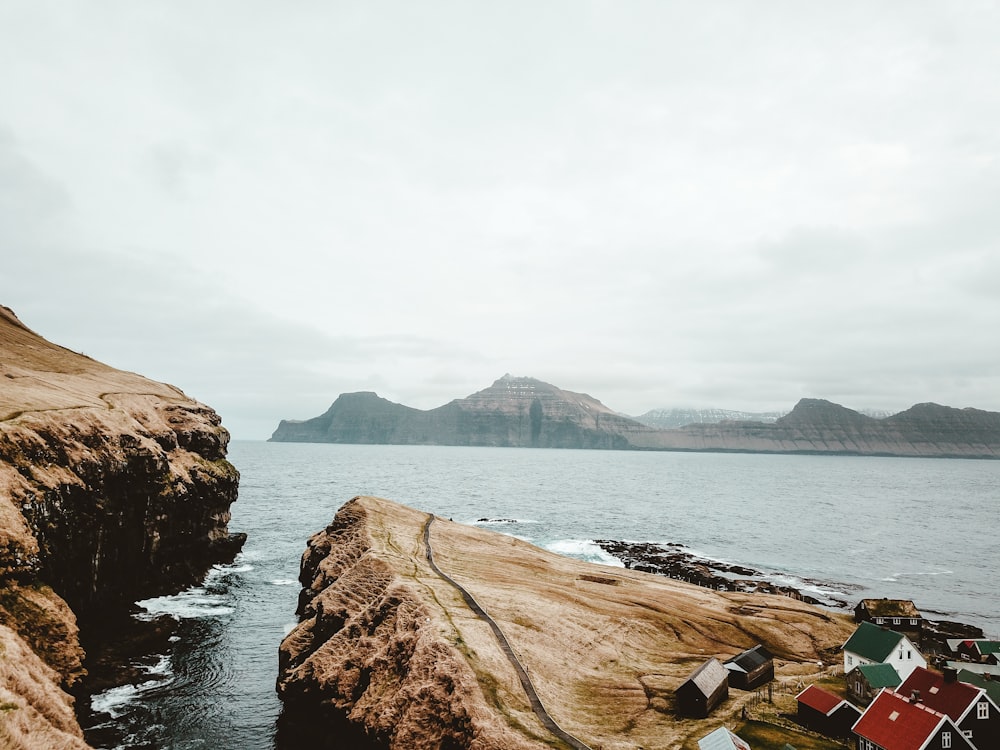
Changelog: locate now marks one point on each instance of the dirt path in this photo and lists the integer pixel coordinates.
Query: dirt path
(536, 704)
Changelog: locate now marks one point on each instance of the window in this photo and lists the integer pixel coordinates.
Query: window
(945, 740)
(967, 734)
(983, 710)
(913, 621)
(909, 654)
(850, 660)
(895, 621)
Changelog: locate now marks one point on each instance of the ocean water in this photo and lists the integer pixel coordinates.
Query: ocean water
(841, 528)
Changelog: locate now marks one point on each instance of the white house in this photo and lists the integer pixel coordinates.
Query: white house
(871, 644)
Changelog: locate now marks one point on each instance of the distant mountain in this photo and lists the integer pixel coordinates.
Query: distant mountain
(513, 412)
(524, 412)
(819, 426)
(669, 419)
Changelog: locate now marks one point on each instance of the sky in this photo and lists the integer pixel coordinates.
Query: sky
(661, 204)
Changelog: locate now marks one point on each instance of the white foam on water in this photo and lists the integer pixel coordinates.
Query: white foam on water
(289, 627)
(115, 701)
(500, 521)
(162, 667)
(233, 568)
(583, 549)
(283, 582)
(190, 604)
(812, 588)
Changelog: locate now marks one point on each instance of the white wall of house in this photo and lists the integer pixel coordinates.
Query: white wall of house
(905, 658)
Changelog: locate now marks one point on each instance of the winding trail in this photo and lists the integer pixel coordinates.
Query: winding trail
(536, 704)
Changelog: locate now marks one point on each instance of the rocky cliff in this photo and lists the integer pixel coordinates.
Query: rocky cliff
(386, 640)
(524, 412)
(113, 487)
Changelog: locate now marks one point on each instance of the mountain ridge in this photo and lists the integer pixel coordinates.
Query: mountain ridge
(526, 412)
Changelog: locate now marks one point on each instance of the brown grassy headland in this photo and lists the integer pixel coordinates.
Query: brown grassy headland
(605, 647)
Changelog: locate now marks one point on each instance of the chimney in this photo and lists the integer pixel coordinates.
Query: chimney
(914, 696)
(950, 674)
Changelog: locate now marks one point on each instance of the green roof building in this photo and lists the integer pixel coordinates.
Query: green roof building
(871, 644)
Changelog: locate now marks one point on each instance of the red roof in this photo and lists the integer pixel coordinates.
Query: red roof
(893, 723)
(953, 699)
(819, 699)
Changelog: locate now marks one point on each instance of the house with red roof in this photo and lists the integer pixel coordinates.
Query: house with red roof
(826, 713)
(978, 650)
(969, 706)
(895, 722)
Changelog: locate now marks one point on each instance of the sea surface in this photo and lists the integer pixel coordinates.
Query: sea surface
(839, 528)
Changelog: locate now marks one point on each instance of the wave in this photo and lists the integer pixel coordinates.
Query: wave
(583, 549)
(283, 582)
(500, 521)
(192, 603)
(230, 568)
(116, 702)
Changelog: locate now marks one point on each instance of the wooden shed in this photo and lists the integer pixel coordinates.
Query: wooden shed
(706, 688)
(751, 669)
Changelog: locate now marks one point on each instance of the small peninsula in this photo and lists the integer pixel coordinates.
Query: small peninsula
(404, 619)
(525, 412)
(113, 487)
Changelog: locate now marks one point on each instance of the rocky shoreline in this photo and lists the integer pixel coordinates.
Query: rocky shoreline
(674, 561)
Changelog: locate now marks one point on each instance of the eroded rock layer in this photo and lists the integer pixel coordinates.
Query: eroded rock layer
(388, 642)
(113, 487)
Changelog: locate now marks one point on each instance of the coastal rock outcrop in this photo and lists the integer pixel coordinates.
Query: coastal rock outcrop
(388, 641)
(113, 487)
(524, 412)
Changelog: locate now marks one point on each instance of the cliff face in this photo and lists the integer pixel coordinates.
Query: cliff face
(112, 487)
(524, 412)
(384, 639)
(513, 412)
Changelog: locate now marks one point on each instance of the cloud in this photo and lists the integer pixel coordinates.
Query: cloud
(653, 203)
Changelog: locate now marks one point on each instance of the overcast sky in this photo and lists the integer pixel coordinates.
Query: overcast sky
(726, 204)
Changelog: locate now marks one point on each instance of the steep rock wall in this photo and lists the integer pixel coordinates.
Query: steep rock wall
(113, 487)
(365, 647)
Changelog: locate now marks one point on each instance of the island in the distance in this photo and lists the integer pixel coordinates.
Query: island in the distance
(525, 412)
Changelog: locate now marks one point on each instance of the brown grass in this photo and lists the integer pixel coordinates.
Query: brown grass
(605, 647)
